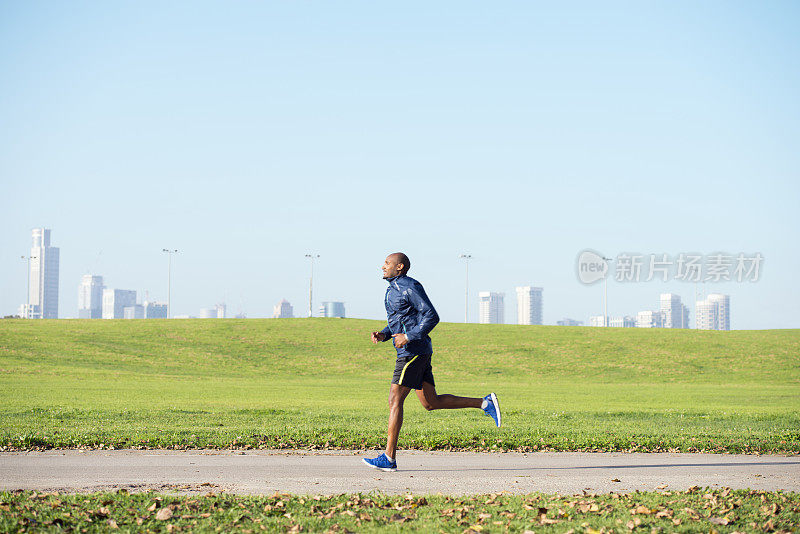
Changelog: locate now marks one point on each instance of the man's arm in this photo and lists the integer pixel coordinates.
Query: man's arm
(383, 335)
(427, 313)
(387, 333)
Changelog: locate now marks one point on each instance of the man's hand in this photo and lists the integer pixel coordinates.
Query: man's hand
(377, 337)
(400, 340)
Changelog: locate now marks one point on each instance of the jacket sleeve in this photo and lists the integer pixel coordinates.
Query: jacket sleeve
(427, 317)
(387, 333)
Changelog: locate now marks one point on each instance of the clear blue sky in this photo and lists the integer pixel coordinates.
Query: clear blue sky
(246, 134)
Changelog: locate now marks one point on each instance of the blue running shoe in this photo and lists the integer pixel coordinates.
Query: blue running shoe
(492, 408)
(381, 462)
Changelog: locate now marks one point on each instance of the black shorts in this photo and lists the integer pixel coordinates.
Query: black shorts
(412, 371)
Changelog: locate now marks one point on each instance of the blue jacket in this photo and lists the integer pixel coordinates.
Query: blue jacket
(409, 311)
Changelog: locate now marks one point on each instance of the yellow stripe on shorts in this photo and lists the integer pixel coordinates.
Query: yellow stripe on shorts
(403, 372)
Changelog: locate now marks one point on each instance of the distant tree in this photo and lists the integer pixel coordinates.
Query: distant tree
(12, 317)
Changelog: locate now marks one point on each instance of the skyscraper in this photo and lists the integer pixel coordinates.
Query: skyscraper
(332, 309)
(491, 309)
(115, 301)
(714, 313)
(283, 310)
(90, 297)
(42, 277)
(155, 310)
(676, 315)
(529, 305)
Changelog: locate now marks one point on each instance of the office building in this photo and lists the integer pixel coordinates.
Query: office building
(714, 313)
(622, 322)
(650, 319)
(332, 309)
(208, 313)
(90, 297)
(597, 320)
(133, 312)
(723, 306)
(529, 305)
(155, 310)
(42, 278)
(221, 310)
(283, 310)
(491, 309)
(566, 321)
(676, 315)
(115, 301)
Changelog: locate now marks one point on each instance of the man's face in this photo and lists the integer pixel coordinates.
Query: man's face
(391, 267)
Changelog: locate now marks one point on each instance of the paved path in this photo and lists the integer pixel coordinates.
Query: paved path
(264, 472)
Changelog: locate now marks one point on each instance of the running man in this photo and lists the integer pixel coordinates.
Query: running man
(411, 317)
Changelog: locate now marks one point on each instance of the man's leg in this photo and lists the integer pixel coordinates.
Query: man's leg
(431, 401)
(397, 396)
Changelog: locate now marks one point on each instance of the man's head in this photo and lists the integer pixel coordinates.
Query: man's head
(395, 265)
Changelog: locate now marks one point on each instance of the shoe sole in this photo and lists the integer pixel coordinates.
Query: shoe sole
(497, 409)
(378, 468)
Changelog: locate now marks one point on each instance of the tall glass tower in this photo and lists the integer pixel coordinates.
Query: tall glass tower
(43, 277)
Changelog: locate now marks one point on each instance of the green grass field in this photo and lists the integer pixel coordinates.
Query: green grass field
(279, 383)
(695, 510)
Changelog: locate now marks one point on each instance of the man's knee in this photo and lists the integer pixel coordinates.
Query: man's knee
(395, 397)
(430, 403)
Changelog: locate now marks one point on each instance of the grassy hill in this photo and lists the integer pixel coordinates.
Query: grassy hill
(320, 382)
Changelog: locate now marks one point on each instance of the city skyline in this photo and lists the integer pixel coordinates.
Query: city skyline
(247, 136)
(713, 312)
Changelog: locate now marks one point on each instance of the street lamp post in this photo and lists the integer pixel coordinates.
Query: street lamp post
(28, 293)
(169, 252)
(466, 258)
(605, 297)
(311, 257)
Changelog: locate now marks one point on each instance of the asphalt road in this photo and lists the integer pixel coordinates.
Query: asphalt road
(328, 472)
